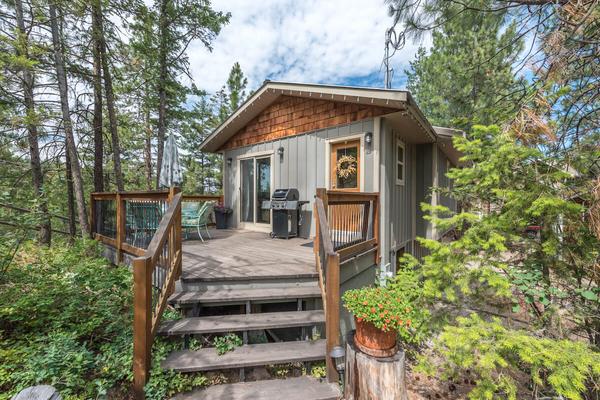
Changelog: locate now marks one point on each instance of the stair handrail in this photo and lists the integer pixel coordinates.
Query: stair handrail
(355, 217)
(154, 276)
(328, 267)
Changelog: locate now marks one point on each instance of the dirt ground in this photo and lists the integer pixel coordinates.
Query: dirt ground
(421, 387)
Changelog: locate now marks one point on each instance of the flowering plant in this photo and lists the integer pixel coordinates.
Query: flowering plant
(220, 207)
(384, 307)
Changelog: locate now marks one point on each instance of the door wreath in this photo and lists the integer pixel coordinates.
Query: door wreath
(346, 166)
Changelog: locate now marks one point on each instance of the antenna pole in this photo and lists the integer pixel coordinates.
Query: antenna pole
(387, 82)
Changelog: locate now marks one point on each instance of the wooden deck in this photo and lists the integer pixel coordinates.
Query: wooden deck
(246, 255)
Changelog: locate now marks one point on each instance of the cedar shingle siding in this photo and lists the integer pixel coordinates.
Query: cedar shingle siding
(289, 116)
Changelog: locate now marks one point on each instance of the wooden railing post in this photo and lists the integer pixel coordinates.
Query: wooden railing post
(142, 323)
(321, 194)
(376, 228)
(332, 313)
(92, 216)
(120, 226)
(177, 235)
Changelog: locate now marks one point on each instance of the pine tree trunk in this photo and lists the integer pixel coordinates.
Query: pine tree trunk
(97, 122)
(148, 152)
(45, 234)
(67, 124)
(110, 105)
(70, 196)
(162, 90)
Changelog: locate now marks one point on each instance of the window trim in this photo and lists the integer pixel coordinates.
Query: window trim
(400, 180)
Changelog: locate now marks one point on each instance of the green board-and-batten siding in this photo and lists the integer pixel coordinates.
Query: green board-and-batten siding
(303, 165)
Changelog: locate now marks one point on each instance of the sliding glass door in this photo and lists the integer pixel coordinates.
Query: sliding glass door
(255, 187)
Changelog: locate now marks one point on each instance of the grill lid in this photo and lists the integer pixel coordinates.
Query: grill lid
(286, 194)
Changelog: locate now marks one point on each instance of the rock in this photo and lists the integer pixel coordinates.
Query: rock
(41, 392)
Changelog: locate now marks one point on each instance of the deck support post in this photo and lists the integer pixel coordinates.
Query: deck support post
(376, 233)
(120, 226)
(332, 313)
(322, 194)
(142, 323)
(177, 234)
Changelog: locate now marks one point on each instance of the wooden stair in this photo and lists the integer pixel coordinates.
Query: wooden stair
(195, 300)
(241, 322)
(237, 296)
(301, 388)
(250, 355)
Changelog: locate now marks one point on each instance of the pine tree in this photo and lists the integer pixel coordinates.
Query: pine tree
(73, 156)
(467, 77)
(236, 84)
(178, 23)
(203, 170)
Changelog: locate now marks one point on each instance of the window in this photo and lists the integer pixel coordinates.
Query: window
(345, 165)
(400, 156)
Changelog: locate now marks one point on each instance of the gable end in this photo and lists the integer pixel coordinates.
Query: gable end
(289, 116)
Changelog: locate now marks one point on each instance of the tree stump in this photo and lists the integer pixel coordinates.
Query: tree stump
(42, 392)
(371, 378)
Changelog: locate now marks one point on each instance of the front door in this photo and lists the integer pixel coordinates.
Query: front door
(255, 187)
(345, 175)
(345, 166)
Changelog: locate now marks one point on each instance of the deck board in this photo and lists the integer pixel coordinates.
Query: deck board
(247, 255)
(241, 322)
(207, 359)
(301, 388)
(235, 295)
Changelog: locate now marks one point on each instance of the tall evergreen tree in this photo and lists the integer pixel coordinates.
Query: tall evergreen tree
(236, 84)
(73, 156)
(179, 22)
(203, 170)
(467, 77)
(31, 121)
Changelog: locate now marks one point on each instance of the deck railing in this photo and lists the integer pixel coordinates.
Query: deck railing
(347, 226)
(146, 225)
(154, 276)
(127, 221)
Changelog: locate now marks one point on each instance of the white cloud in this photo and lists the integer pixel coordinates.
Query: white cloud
(327, 41)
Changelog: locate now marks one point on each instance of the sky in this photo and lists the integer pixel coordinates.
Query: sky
(309, 41)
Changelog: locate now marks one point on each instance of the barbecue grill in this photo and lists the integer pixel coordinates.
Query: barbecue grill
(287, 212)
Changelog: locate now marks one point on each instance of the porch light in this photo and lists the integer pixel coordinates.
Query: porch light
(229, 161)
(280, 152)
(338, 353)
(369, 138)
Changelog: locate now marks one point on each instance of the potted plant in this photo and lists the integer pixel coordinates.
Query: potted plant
(380, 313)
(221, 215)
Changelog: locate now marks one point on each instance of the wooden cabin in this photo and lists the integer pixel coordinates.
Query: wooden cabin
(290, 135)
(363, 159)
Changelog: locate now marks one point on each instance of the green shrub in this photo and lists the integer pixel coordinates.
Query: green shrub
(494, 354)
(224, 344)
(66, 319)
(165, 383)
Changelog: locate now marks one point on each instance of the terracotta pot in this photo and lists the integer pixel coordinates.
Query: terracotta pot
(373, 340)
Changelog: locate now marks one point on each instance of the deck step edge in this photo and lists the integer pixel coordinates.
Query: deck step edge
(241, 322)
(252, 355)
(300, 388)
(248, 294)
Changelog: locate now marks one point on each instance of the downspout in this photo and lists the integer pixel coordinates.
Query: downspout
(383, 203)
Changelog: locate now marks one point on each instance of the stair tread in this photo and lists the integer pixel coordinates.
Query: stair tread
(241, 322)
(301, 388)
(245, 356)
(234, 294)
